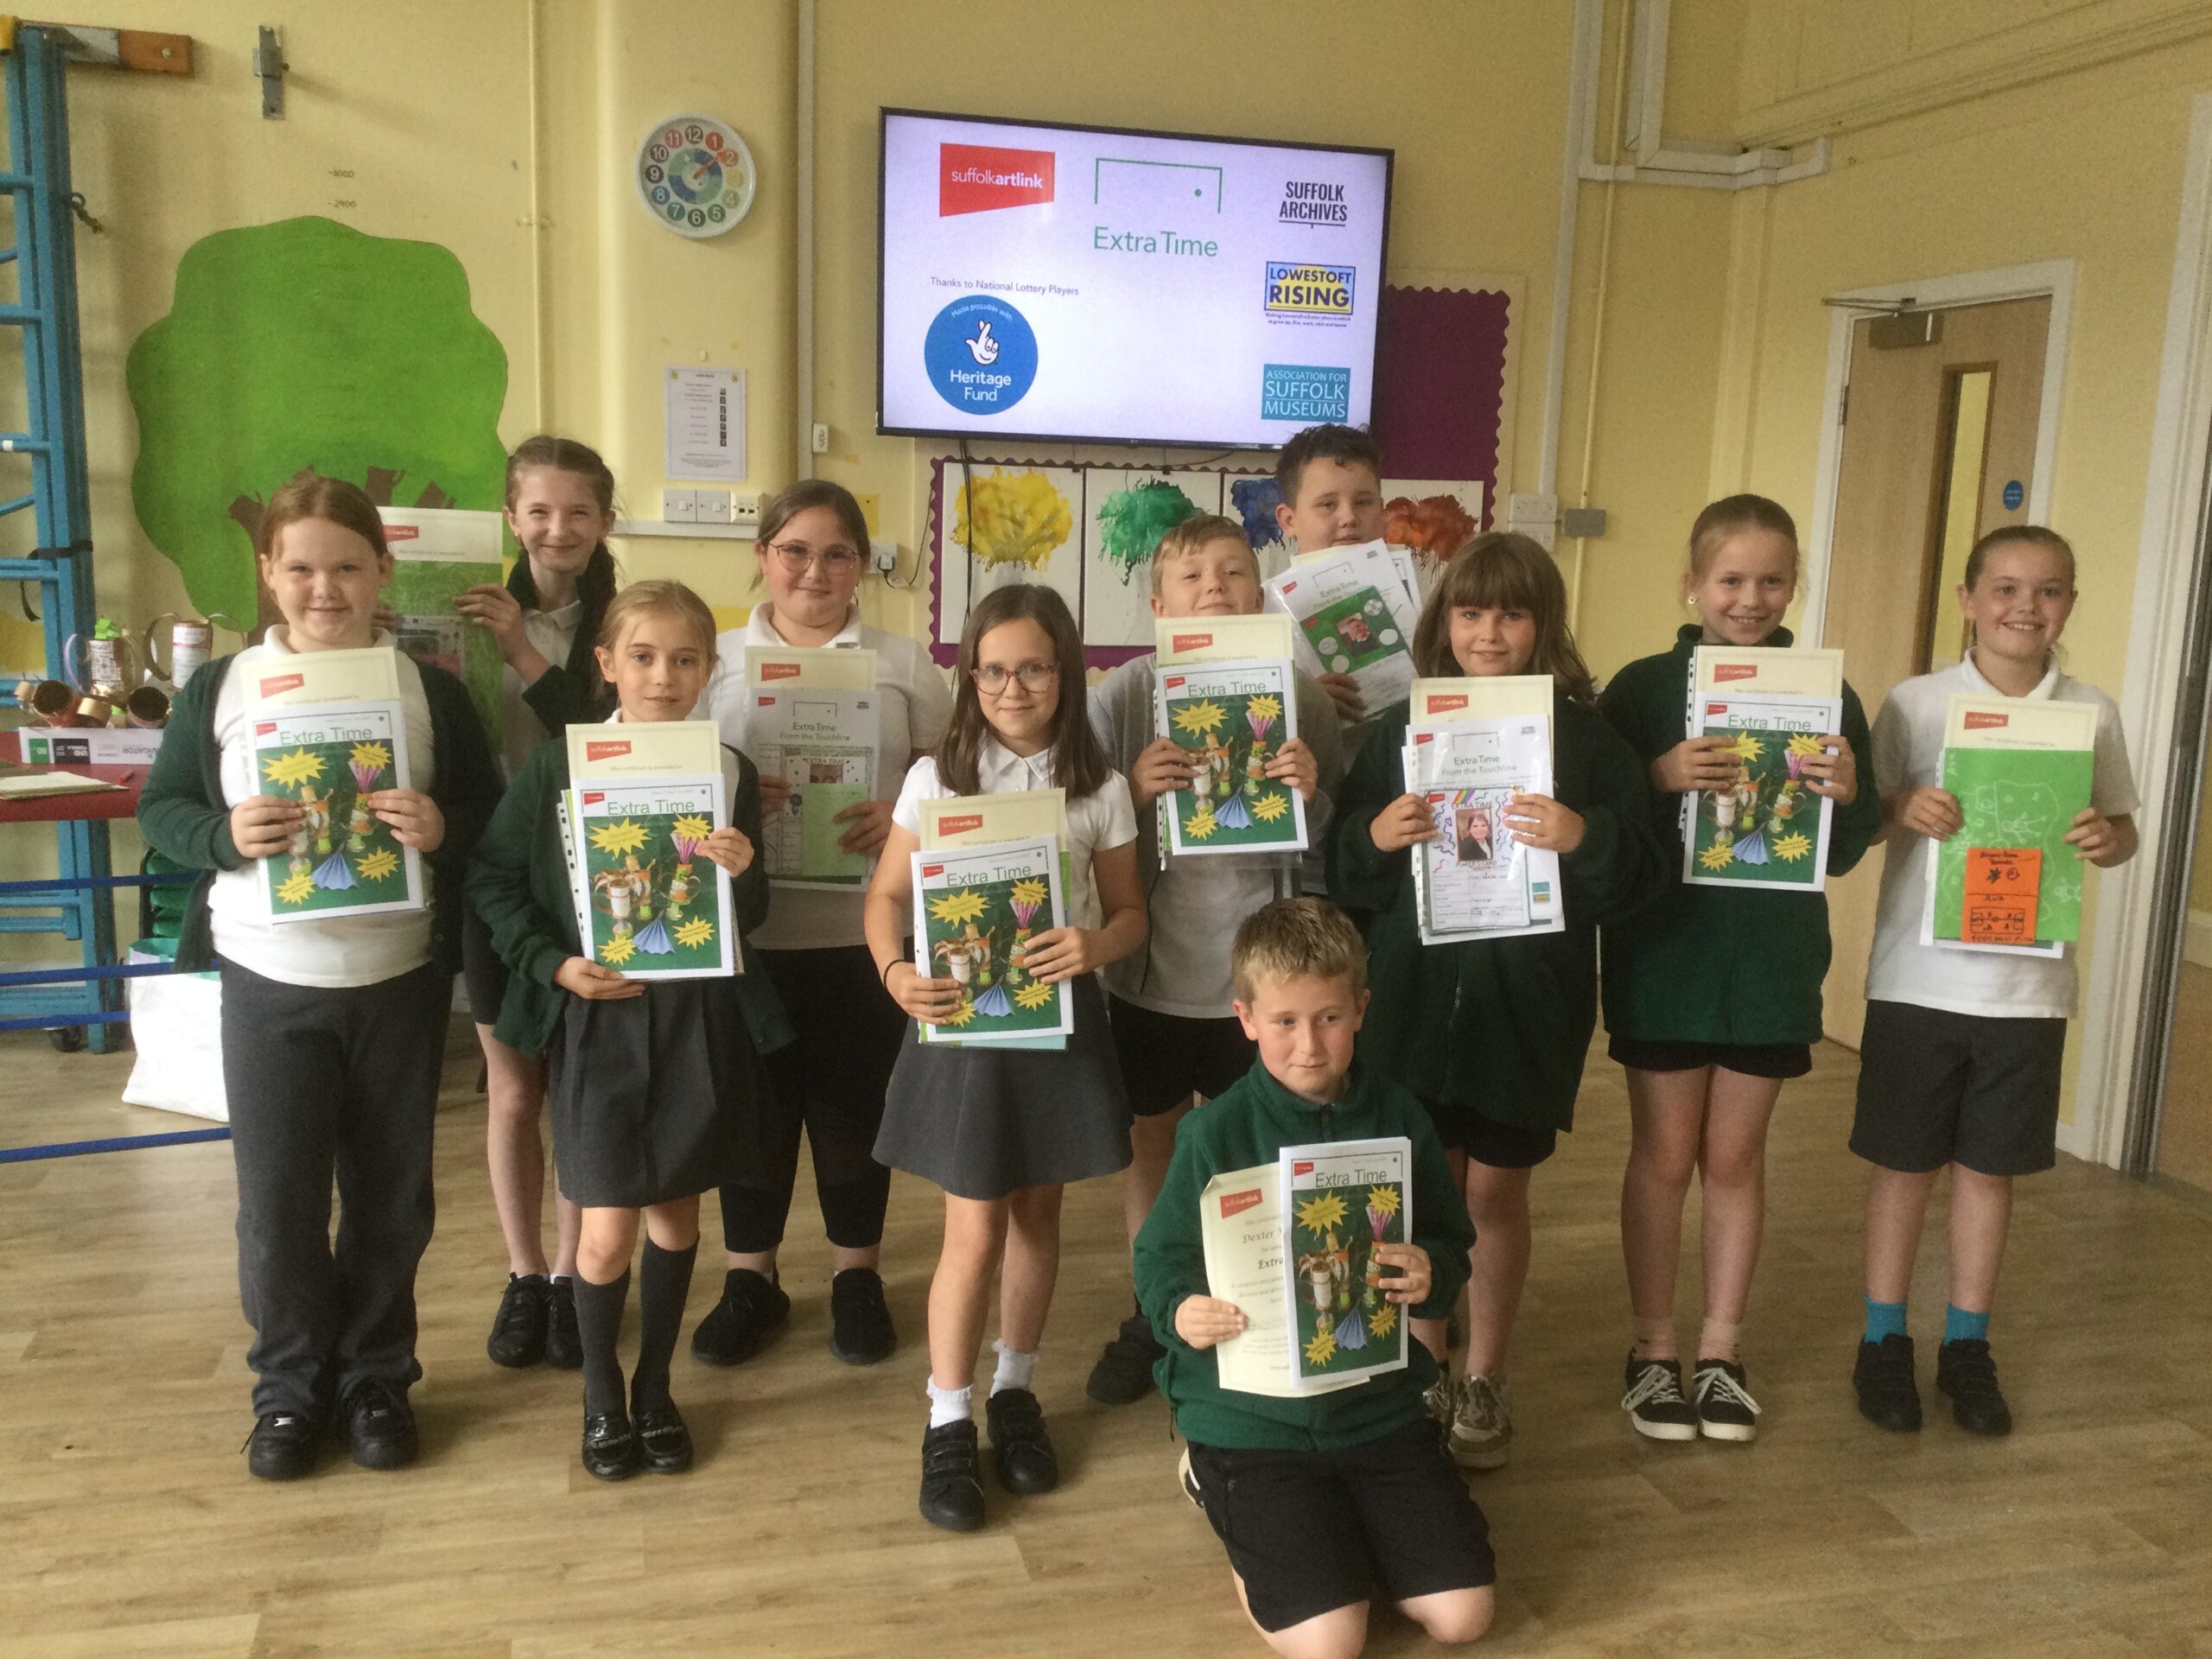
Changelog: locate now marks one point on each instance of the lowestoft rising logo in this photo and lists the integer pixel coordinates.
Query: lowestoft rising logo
(979, 178)
(1305, 290)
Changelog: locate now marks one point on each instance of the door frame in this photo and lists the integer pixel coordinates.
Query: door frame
(2051, 277)
(2174, 502)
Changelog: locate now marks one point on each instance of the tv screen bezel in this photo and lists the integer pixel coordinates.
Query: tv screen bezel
(885, 112)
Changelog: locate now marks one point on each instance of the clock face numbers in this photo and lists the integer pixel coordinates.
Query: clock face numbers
(695, 175)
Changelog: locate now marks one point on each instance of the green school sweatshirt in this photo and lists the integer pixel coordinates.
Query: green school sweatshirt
(1721, 965)
(1499, 1025)
(1248, 1125)
(519, 883)
(182, 817)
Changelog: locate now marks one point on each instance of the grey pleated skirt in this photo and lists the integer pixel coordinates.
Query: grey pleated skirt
(652, 1097)
(983, 1123)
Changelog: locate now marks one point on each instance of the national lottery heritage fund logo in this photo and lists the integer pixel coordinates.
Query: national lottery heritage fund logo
(1305, 394)
(981, 354)
(1313, 202)
(1315, 293)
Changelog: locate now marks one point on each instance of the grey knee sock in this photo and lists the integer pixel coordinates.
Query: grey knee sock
(663, 1281)
(598, 1325)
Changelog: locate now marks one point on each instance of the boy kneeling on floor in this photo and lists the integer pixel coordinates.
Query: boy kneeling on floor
(1324, 1500)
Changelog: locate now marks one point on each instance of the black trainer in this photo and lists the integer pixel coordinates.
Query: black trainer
(611, 1451)
(379, 1424)
(952, 1485)
(1882, 1377)
(565, 1348)
(860, 1319)
(1965, 1370)
(1726, 1410)
(753, 1306)
(1123, 1373)
(283, 1445)
(1021, 1451)
(518, 1336)
(1652, 1396)
(663, 1440)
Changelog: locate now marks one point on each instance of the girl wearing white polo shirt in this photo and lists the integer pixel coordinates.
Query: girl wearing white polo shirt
(1003, 1132)
(812, 546)
(1961, 1061)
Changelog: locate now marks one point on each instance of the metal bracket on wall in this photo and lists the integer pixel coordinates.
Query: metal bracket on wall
(269, 65)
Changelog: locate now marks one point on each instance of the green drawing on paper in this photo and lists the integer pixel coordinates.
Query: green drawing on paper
(978, 933)
(307, 347)
(421, 593)
(342, 856)
(1350, 634)
(653, 898)
(2017, 798)
(1766, 826)
(1340, 1305)
(1231, 803)
(1131, 523)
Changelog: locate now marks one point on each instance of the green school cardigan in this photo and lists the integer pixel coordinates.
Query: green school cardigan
(1498, 1025)
(1731, 965)
(519, 883)
(181, 814)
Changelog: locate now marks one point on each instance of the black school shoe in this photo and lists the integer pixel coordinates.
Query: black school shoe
(952, 1485)
(1021, 1451)
(611, 1451)
(1652, 1396)
(664, 1442)
(379, 1425)
(518, 1336)
(283, 1445)
(1888, 1396)
(564, 1347)
(1965, 1370)
(860, 1319)
(752, 1308)
(1726, 1410)
(1123, 1373)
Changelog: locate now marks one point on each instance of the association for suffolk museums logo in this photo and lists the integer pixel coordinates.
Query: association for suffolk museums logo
(1304, 393)
(978, 178)
(1313, 202)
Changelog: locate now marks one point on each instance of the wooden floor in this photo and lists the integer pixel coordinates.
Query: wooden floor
(128, 1525)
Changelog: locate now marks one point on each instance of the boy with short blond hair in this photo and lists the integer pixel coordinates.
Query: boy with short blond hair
(1338, 1495)
(1173, 1027)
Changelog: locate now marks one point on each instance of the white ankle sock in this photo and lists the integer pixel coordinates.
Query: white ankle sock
(1015, 1368)
(951, 1405)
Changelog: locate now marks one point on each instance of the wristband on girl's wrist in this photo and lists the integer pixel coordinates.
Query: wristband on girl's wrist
(887, 967)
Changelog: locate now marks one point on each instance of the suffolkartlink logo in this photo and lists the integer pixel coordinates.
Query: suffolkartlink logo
(277, 682)
(1188, 642)
(403, 533)
(779, 670)
(1736, 671)
(1301, 290)
(981, 354)
(1304, 393)
(1234, 1204)
(980, 178)
(1975, 722)
(605, 748)
(1312, 202)
(959, 826)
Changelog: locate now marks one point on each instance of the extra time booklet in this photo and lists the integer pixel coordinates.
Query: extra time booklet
(1341, 1199)
(813, 718)
(643, 797)
(1767, 828)
(990, 824)
(1474, 744)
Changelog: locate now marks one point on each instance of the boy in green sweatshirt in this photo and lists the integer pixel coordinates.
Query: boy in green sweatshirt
(1322, 1500)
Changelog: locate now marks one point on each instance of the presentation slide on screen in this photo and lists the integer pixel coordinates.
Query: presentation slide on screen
(1042, 281)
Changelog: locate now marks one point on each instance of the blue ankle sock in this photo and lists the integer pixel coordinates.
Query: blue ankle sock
(1884, 1319)
(1959, 1326)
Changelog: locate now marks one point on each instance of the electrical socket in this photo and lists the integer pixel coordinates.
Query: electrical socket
(883, 556)
(679, 506)
(821, 437)
(744, 507)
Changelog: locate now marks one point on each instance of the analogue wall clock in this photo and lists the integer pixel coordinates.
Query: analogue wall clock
(695, 175)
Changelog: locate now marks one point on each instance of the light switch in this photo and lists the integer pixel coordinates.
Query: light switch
(679, 506)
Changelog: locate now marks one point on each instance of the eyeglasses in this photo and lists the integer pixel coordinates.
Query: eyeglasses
(991, 678)
(797, 555)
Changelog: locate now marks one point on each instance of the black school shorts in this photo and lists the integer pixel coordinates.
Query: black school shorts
(1166, 1057)
(1309, 1532)
(1938, 1087)
(1778, 1060)
(1460, 1127)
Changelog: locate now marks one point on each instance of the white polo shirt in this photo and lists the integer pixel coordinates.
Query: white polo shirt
(914, 704)
(343, 950)
(1908, 754)
(1096, 823)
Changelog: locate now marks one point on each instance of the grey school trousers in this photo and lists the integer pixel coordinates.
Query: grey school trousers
(322, 1085)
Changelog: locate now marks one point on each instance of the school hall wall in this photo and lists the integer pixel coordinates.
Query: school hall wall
(2083, 166)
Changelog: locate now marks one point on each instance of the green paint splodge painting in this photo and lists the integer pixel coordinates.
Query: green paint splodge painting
(300, 347)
